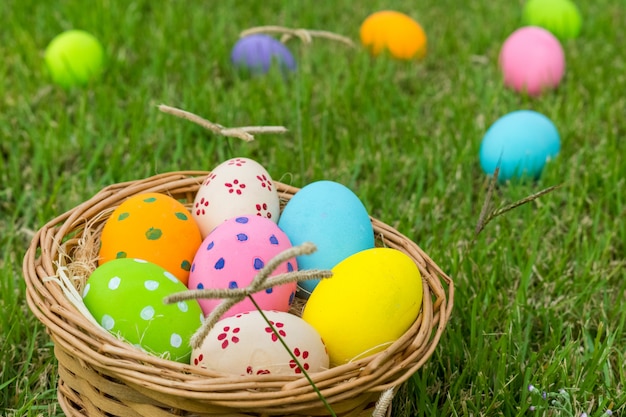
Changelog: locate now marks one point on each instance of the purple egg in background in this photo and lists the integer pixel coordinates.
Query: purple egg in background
(257, 52)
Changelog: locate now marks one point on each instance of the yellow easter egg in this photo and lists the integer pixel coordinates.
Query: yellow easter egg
(395, 32)
(372, 299)
(154, 227)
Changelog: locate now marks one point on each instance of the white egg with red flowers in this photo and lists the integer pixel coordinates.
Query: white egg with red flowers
(236, 187)
(246, 344)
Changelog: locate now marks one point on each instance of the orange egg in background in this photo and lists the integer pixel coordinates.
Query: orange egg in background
(394, 32)
(154, 227)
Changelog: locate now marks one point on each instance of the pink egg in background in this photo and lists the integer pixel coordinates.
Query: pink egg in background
(232, 255)
(532, 61)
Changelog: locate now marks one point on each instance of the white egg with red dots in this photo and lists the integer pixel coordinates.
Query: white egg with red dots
(126, 296)
(233, 254)
(246, 344)
(238, 186)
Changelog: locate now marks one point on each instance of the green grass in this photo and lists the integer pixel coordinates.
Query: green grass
(538, 292)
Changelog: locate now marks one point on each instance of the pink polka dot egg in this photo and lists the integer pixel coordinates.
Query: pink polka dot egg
(233, 254)
(238, 186)
(245, 344)
(532, 61)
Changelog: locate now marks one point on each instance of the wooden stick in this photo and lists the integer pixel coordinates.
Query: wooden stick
(244, 133)
(305, 35)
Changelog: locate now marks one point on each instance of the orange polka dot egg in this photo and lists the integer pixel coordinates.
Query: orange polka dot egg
(395, 32)
(154, 227)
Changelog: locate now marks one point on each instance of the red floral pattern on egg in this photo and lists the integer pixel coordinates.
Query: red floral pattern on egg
(201, 206)
(237, 162)
(279, 330)
(265, 182)
(250, 371)
(235, 188)
(261, 210)
(224, 336)
(301, 355)
(256, 352)
(209, 178)
(198, 360)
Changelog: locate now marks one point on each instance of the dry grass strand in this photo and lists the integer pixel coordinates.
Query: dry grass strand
(305, 35)
(244, 133)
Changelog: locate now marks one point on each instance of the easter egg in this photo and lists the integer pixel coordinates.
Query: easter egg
(561, 17)
(74, 58)
(154, 227)
(232, 255)
(394, 32)
(521, 143)
(245, 344)
(532, 61)
(126, 297)
(332, 217)
(256, 53)
(238, 186)
(370, 301)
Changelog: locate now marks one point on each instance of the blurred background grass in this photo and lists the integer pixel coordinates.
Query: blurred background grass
(539, 291)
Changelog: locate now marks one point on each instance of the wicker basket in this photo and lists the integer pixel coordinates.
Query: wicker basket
(100, 375)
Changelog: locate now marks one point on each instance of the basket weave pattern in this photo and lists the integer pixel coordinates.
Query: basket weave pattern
(100, 375)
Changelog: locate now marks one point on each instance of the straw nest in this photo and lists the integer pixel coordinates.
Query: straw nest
(100, 375)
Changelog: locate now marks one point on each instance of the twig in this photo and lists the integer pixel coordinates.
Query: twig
(244, 133)
(487, 203)
(484, 218)
(305, 35)
(523, 201)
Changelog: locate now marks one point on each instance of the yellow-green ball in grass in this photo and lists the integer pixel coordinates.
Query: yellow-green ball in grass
(74, 58)
(561, 17)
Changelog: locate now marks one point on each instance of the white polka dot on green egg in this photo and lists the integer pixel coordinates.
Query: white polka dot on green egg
(126, 297)
(114, 283)
(170, 276)
(107, 322)
(151, 285)
(147, 312)
(176, 340)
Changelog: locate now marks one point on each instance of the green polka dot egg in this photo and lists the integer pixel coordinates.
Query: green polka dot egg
(126, 297)
(154, 227)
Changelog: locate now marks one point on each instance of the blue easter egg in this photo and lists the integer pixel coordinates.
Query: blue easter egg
(256, 53)
(332, 217)
(520, 143)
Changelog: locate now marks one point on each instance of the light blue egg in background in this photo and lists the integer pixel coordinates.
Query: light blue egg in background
(521, 142)
(331, 216)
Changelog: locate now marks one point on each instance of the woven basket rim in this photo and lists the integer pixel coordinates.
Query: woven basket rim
(187, 387)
